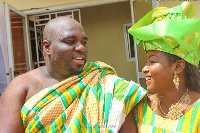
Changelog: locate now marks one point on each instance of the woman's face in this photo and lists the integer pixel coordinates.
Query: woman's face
(158, 72)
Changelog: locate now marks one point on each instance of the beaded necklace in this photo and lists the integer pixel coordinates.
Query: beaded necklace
(175, 111)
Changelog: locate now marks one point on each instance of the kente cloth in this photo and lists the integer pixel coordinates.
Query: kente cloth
(94, 101)
(149, 122)
(171, 30)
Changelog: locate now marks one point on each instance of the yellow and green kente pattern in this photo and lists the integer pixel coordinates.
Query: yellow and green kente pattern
(94, 101)
(149, 122)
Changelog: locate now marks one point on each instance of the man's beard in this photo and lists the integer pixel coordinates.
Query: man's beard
(66, 67)
(75, 71)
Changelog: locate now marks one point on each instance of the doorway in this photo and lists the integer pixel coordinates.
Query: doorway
(18, 41)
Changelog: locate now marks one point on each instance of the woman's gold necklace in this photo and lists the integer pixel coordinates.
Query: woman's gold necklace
(175, 111)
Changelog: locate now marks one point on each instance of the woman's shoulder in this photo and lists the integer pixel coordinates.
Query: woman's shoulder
(195, 101)
(195, 97)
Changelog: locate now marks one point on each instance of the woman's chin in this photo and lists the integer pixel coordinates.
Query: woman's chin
(150, 89)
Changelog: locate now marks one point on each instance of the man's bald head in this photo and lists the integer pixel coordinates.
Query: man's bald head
(64, 46)
(54, 26)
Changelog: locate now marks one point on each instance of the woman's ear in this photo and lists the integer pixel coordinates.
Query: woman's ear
(46, 46)
(180, 66)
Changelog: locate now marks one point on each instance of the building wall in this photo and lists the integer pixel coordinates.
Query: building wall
(104, 27)
(38, 4)
(35, 4)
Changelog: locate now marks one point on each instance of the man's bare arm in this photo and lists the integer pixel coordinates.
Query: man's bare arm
(11, 102)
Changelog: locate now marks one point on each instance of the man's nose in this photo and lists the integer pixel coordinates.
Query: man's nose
(80, 47)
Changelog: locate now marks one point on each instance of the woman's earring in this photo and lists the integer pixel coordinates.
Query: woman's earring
(176, 81)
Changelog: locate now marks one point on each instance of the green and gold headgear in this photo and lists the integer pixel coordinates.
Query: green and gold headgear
(171, 30)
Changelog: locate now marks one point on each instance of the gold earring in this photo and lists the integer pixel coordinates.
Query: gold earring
(176, 81)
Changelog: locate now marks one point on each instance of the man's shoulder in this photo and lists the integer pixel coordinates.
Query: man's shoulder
(27, 77)
(22, 84)
(24, 80)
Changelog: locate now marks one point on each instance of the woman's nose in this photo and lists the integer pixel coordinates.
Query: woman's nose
(145, 69)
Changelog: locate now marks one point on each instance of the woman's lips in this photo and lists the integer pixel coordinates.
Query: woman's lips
(148, 80)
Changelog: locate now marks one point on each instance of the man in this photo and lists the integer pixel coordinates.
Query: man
(67, 94)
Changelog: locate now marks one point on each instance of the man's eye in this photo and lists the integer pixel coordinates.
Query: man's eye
(69, 42)
(84, 43)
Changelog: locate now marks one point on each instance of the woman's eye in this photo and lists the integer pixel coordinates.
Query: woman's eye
(152, 61)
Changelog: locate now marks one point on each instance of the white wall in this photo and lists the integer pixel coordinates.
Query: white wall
(3, 51)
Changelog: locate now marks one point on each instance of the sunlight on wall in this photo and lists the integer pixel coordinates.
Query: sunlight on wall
(35, 4)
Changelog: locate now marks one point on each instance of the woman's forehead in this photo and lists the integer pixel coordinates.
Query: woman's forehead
(153, 52)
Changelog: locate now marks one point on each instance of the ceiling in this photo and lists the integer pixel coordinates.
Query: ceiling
(31, 6)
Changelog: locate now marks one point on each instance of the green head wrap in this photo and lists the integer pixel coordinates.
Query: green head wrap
(171, 30)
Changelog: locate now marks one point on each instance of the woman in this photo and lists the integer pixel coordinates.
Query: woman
(171, 39)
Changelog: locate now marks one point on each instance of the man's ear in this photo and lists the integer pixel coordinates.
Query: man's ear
(46, 46)
(180, 66)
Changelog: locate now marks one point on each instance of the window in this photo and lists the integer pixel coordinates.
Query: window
(129, 43)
